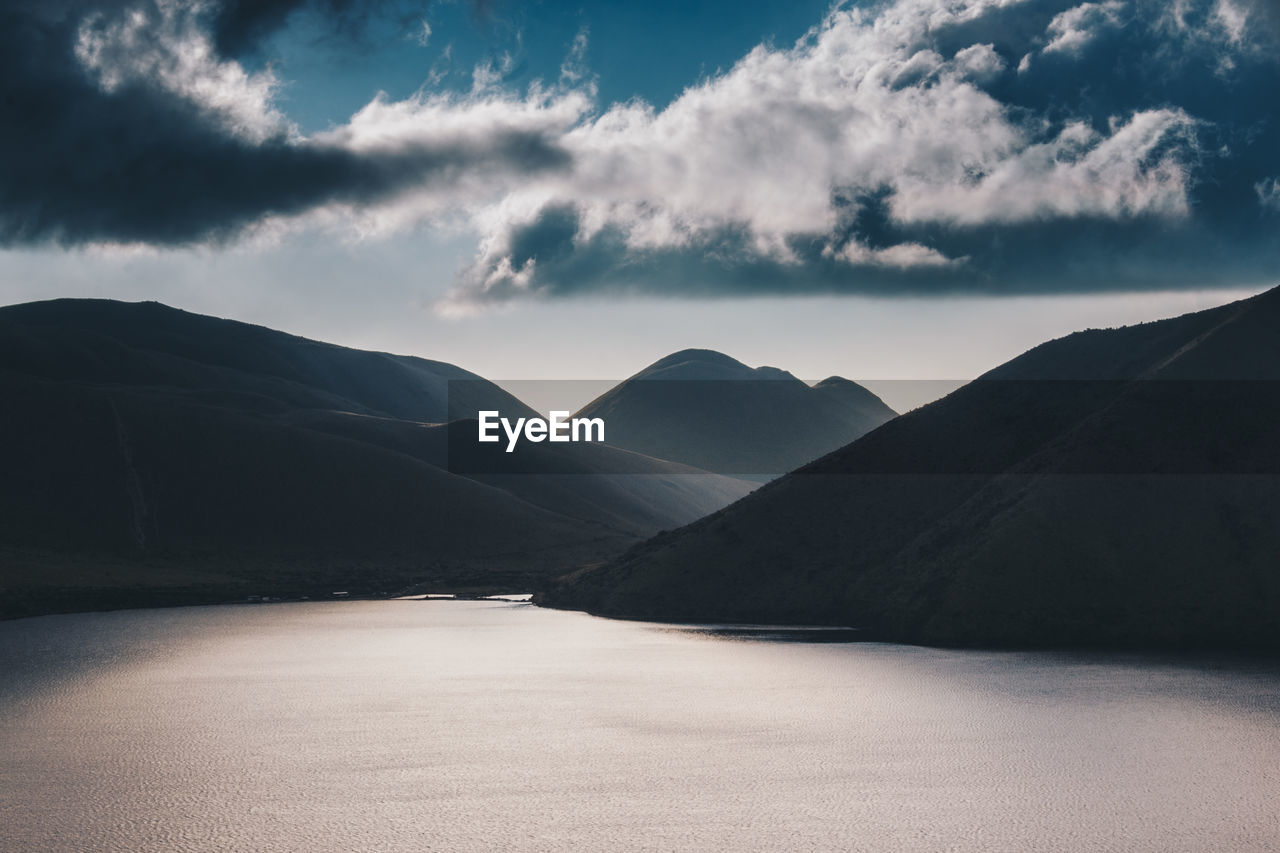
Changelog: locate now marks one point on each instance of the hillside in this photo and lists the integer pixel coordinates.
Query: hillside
(1114, 487)
(146, 344)
(157, 456)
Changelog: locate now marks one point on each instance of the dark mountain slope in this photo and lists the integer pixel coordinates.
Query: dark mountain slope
(238, 504)
(626, 491)
(1116, 487)
(149, 344)
(705, 409)
(155, 456)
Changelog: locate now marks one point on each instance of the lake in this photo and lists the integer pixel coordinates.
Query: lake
(479, 725)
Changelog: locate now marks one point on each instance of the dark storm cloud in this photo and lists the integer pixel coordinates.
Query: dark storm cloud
(138, 162)
(1075, 256)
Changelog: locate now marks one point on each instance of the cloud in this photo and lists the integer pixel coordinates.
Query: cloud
(911, 146)
(1132, 169)
(1268, 191)
(124, 123)
(894, 150)
(1071, 30)
(164, 48)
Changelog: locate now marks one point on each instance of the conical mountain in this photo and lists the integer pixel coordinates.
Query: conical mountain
(711, 411)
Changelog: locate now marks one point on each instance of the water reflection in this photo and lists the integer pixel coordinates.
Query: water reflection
(482, 725)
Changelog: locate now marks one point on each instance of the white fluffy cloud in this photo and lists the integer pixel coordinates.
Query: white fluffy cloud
(787, 144)
(1078, 172)
(1073, 29)
(865, 103)
(167, 46)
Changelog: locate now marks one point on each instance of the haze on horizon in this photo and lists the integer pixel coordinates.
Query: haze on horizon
(911, 189)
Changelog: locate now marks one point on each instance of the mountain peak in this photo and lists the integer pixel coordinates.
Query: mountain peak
(693, 359)
(695, 364)
(721, 415)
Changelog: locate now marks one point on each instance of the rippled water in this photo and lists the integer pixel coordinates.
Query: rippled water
(457, 726)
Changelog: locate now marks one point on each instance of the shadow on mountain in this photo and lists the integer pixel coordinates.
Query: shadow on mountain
(153, 456)
(1114, 487)
(707, 410)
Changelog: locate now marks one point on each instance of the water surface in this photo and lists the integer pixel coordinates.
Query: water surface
(459, 726)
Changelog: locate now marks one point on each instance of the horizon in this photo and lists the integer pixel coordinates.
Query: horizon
(899, 190)
(573, 385)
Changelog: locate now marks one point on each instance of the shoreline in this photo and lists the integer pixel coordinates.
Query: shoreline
(734, 631)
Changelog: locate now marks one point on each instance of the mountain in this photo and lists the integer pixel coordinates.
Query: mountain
(1114, 487)
(156, 456)
(147, 344)
(627, 492)
(710, 411)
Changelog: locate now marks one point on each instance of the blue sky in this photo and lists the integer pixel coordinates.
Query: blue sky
(912, 188)
(651, 50)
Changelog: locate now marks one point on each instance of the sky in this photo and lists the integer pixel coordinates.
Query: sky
(909, 189)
